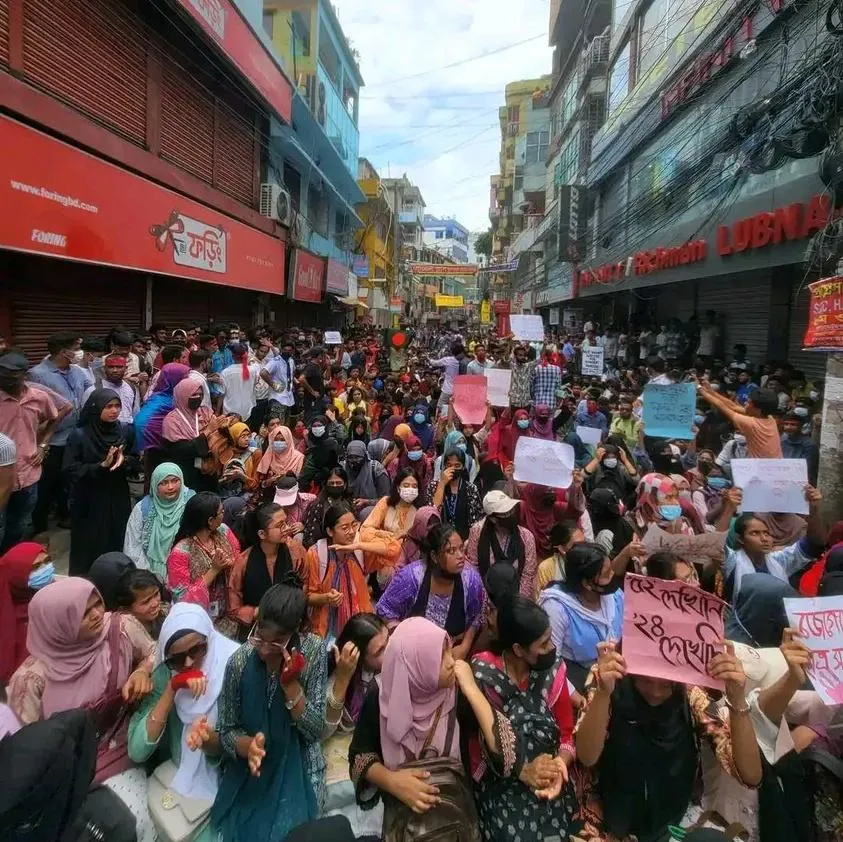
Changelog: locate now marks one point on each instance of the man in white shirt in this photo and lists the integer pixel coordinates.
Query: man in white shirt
(238, 384)
(113, 377)
(709, 336)
(280, 374)
(198, 362)
(480, 362)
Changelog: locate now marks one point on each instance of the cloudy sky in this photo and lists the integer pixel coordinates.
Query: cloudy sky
(441, 125)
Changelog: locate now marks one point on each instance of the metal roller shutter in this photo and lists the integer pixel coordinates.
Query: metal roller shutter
(91, 54)
(742, 305)
(234, 154)
(50, 295)
(176, 302)
(233, 305)
(675, 301)
(4, 32)
(812, 363)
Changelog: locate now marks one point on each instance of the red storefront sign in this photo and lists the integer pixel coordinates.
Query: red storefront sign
(501, 306)
(221, 20)
(307, 277)
(59, 201)
(825, 315)
(336, 278)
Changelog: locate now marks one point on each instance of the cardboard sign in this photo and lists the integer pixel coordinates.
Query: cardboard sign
(592, 361)
(671, 630)
(527, 328)
(772, 485)
(469, 400)
(498, 381)
(819, 622)
(543, 462)
(333, 337)
(695, 549)
(669, 410)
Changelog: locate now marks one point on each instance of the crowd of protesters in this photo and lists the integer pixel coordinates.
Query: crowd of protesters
(282, 550)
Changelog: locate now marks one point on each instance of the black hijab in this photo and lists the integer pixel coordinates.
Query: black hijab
(324, 451)
(105, 572)
(256, 581)
(758, 617)
(489, 548)
(101, 435)
(604, 510)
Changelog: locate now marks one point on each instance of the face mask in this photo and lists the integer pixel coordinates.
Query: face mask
(610, 462)
(523, 423)
(419, 418)
(717, 483)
(334, 490)
(318, 432)
(698, 419)
(194, 403)
(408, 495)
(608, 588)
(801, 411)
(415, 455)
(544, 662)
(739, 439)
(671, 512)
(279, 446)
(42, 577)
(253, 441)
(355, 464)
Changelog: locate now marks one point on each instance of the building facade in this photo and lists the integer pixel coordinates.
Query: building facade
(447, 236)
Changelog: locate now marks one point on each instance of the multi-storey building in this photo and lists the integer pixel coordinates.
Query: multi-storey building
(447, 236)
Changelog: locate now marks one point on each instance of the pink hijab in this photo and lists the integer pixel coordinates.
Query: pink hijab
(76, 670)
(410, 694)
(274, 464)
(183, 423)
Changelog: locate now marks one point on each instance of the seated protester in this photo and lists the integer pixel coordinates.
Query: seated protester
(356, 402)
(758, 617)
(300, 436)
(357, 659)
(454, 495)
(412, 456)
(80, 655)
(368, 480)
(176, 721)
(798, 445)
(281, 457)
(155, 519)
(412, 547)
(106, 572)
(412, 709)
(734, 448)
(658, 502)
(24, 569)
(755, 554)
(542, 507)
(442, 588)
(455, 440)
(586, 608)
(269, 558)
(563, 536)
(271, 717)
(504, 436)
(321, 456)
(401, 433)
(203, 553)
(337, 568)
(358, 429)
(139, 596)
(295, 503)
(421, 426)
(655, 727)
(525, 682)
(611, 469)
(498, 538)
(611, 530)
(184, 440)
(335, 490)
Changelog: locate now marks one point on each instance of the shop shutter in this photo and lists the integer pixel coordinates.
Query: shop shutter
(187, 121)
(810, 362)
(4, 32)
(48, 296)
(675, 301)
(742, 304)
(92, 55)
(234, 148)
(176, 303)
(229, 304)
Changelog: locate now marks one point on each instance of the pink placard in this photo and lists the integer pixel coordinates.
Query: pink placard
(671, 630)
(470, 398)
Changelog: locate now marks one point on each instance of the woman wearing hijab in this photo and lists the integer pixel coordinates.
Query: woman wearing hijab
(105, 573)
(323, 454)
(368, 481)
(454, 496)
(24, 570)
(611, 530)
(178, 718)
(359, 429)
(542, 507)
(334, 491)
(155, 520)
(95, 460)
(541, 427)
(149, 422)
(498, 538)
(281, 457)
(421, 427)
(80, 655)
(455, 440)
(657, 501)
(509, 436)
(183, 438)
(412, 547)
(414, 458)
(377, 449)
(582, 455)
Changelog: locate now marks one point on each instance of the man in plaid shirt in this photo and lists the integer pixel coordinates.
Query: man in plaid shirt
(547, 379)
(521, 386)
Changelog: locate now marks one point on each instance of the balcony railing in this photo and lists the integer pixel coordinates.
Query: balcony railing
(594, 55)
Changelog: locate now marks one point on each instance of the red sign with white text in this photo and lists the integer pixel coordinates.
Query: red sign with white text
(336, 279)
(825, 315)
(307, 277)
(57, 200)
(222, 22)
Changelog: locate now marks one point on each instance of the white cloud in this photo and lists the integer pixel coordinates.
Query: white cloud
(441, 128)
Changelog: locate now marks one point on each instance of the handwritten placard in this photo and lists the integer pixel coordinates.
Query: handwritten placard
(527, 328)
(772, 485)
(333, 337)
(543, 462)
(590, 435)
(499, 381)
(671, 630)
(669, 410)
(592, 361)
(470, 398)
(819, 622)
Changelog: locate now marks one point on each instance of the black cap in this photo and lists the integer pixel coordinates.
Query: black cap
(14, 361)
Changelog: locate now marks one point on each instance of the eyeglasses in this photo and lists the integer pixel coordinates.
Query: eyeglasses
(266, 645)
(176, 662)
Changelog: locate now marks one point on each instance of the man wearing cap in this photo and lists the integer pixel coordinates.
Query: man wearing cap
(28, 415)
(295, 505)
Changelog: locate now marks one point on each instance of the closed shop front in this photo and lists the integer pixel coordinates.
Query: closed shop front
(179, 303)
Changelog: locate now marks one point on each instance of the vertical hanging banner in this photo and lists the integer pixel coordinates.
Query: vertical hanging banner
(825, 316)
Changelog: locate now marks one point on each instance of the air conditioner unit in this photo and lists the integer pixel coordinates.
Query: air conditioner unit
(275, 203)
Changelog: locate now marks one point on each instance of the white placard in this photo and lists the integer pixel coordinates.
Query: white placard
(498, 381)
(819, 623)
(544, 462)
(590, 435)
(592, 361)
(333, 337)
(772, 485)
(527, 328)
(553, 316)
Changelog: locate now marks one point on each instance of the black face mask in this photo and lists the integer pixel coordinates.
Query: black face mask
(544, 662)
(194, 403)
(607, 589)
(354, 464)
(334, 490)
(456, 472)
(705, 468)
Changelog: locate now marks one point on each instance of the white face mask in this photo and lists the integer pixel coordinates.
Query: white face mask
(739, 439)
(78, 356)
(610, 462)
(409, 494)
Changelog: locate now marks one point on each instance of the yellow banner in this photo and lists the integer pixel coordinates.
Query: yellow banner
(485, 312)
(449, 301)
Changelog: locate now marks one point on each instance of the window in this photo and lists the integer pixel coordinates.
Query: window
(317, 210)
(538, 144)
(514, 114)
(569, 100)
(619, 79)
(268, 18)
(519, 182)
(619, 10)
(440, 235)
(569, 160)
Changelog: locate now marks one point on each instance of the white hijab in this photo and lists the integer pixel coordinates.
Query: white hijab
(196, 777)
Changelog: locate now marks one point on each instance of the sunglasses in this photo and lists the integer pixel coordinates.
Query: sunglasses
(176, 662)
(267, 645)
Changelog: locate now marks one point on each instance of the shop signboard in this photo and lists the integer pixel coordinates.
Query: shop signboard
(307, 277)
(449, 301)
(432, 270)
(336, 278)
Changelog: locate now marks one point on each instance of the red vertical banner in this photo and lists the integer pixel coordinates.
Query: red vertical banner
(825, 315)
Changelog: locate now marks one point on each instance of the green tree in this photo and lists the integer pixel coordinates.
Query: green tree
(484, 244)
